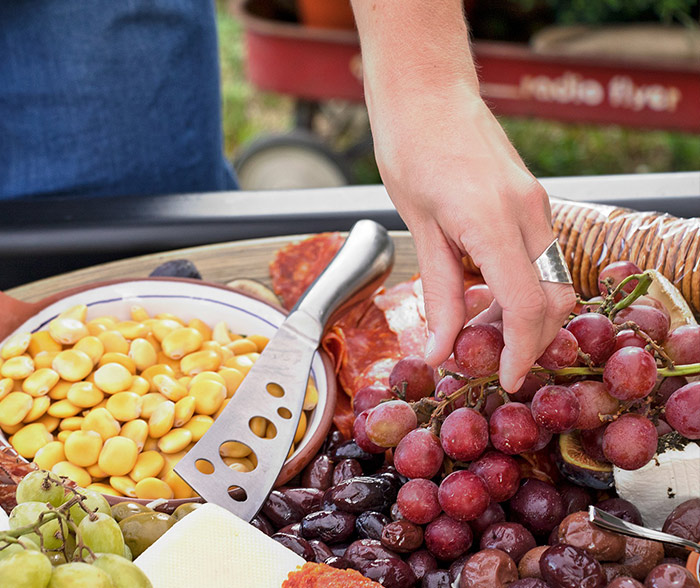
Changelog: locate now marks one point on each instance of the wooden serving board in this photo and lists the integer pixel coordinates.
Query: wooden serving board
(221, 262)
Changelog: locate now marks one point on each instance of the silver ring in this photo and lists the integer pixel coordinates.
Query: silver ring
(551, 265)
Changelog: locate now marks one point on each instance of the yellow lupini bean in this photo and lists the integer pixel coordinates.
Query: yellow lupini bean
(67, 330)
(112, 378)
(198, 425)
(153, 488)
(92, 346)
(63, 409)
(17, 368)
(6, 386)
(178, 485)
(165, 361)
(139, 313)
(162, 419)
(151, 401)
(206, 375)
(50, 422)
(60, 390)
(260, 341)
(14, 407)
(242, 363)
(180, 342)
(175, 440)
(154, 370)
(232, 379)
(85, 394)
(137, 431)
(143, 353)
(77, 312)
(40, 382)
(44, 359)
(71, 423)
(42, 341)
(102, 421)
(151, 444)
(124, 485)
(114, 357)
(125, 406)
(16, 345)
(240, 464)
(72, 365)
(184, 410)
(216, 348)
(243, 346)
(114, 341)
(258, 425)
(63, 435)
(96, 472)
(139, 385)
(73, 472)
(118, 456)
(148, 465)
(131, 329)
(311, 396)
(49, 455)
(29, 439)
(203, 328)
(221, 334)
(301, 428)
(104, 489)
(39, 407)
(234, 449)
(200, 361)
(162, 327)
(169, 387)
(208, 395)
(83, 448)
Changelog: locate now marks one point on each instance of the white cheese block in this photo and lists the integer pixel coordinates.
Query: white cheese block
(660, 486)
(213, 548)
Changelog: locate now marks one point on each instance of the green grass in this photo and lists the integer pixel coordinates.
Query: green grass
(548, 148)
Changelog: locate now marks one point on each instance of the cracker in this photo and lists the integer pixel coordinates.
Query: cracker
(638, 253)
(585, 264)
(687, 265)
(589, 223)
(567, 224)
(603, 252)
(574, 237)
(677, 251)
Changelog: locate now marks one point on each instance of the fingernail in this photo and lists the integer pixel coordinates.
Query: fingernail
(430, 345)
(519, 384)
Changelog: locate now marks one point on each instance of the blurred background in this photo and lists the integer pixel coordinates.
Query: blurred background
(550, 148)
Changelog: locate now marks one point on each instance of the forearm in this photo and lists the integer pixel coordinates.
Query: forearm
(413, 44)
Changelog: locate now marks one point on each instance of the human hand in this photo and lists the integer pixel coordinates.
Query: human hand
(461, 188)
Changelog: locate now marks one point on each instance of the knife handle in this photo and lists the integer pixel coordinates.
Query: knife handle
(363, 261)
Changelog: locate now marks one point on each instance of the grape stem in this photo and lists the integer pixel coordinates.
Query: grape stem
(658, 350)
(610, 308)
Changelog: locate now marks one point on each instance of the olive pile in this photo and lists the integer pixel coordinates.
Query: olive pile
(350, 512)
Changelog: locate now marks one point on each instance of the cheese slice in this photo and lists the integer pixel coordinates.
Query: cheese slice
(213, 548)
(661, 485)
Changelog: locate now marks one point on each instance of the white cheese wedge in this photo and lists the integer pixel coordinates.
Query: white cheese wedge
(213, 548)
(660, 486)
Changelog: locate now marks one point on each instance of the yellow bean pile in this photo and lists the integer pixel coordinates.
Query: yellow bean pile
(114, 404)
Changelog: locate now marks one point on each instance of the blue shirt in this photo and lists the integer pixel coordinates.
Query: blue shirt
(109, 97)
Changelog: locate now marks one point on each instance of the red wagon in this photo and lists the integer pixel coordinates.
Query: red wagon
(317, 65)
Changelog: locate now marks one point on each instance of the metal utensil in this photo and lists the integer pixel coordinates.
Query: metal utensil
(275, 386)
(612, 523)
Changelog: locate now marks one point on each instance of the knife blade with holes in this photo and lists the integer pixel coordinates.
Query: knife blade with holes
(275, 386)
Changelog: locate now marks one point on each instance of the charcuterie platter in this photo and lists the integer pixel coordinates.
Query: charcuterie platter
(426, 477)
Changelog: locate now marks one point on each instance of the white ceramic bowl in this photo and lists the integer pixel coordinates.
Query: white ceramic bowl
(210, 303)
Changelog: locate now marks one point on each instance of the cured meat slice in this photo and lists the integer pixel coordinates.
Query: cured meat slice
(298, 264)
(12, 469)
